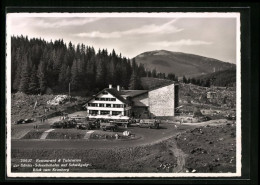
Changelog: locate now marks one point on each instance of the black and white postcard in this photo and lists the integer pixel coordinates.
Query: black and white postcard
(123, 94)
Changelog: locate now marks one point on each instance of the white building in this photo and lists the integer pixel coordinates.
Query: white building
(157, 102)
(109, 102)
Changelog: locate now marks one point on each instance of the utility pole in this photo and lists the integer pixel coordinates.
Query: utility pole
(69, 91)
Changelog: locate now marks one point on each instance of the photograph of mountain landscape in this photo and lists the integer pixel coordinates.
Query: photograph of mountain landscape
(123, 95)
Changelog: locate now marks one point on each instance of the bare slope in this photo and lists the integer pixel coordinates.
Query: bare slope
(225, 96)
(181, 63)
(226, 78)
(23, 106)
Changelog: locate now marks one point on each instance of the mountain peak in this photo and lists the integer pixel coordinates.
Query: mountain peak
(180, 63)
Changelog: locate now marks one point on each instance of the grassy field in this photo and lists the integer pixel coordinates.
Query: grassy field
(137, 159)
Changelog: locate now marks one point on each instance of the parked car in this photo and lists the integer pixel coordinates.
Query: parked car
(64, 124)
(149, 123)
(22, 121)
(231, 117)
(108, 125)
(83, 126)
(88, 124)
(57, 124)
(122, 122)
(78, 119)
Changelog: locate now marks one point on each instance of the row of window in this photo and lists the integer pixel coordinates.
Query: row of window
(104, 112)
(105, 99)
(106, 105)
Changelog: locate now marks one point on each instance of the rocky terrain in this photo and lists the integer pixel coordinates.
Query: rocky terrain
(209, 149)
(24, 106)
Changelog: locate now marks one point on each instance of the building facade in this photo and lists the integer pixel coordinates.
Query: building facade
(159, 102)
(108, 102)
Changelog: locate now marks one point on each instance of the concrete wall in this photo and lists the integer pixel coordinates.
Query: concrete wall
(161, 101)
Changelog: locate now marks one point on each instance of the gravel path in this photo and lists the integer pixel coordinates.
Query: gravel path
(88, 133)
(45, 133)
(180, 155)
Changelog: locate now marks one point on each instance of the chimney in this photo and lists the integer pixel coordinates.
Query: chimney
(110, 86)
(118, 88)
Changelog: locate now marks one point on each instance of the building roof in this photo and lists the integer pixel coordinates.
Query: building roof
(113, 92)
(163, 85)
(117, 94)
(133, 93)
(150, 83)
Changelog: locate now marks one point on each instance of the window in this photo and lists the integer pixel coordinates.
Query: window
(93, 105)
(93, 112)
(101, 105)
(104, 112)
(114, 113)
(106, 99)
(108, 105)
(118, 105)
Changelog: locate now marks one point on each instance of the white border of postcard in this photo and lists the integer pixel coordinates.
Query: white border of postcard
(115, 175)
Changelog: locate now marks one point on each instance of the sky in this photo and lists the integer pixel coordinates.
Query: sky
(212, 37)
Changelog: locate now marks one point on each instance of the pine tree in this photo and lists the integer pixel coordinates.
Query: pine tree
(207, 83)
(67, 77)
(149, 74)
(56, 65)
(171, 76)
(154, 73)
(100, 77)
(34, 83)
(16, 69)
(74, 76)
(62, 76)
(134, 65)
(184, 79)
(135, 82)
(25, 76)
(111, 73)
(141, 70)
(118, 75)
(41, 73)
(124, 77)
(90, 73)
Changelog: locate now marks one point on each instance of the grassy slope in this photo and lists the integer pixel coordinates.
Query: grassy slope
(181, 63)
(222, 78)
(137, 159)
